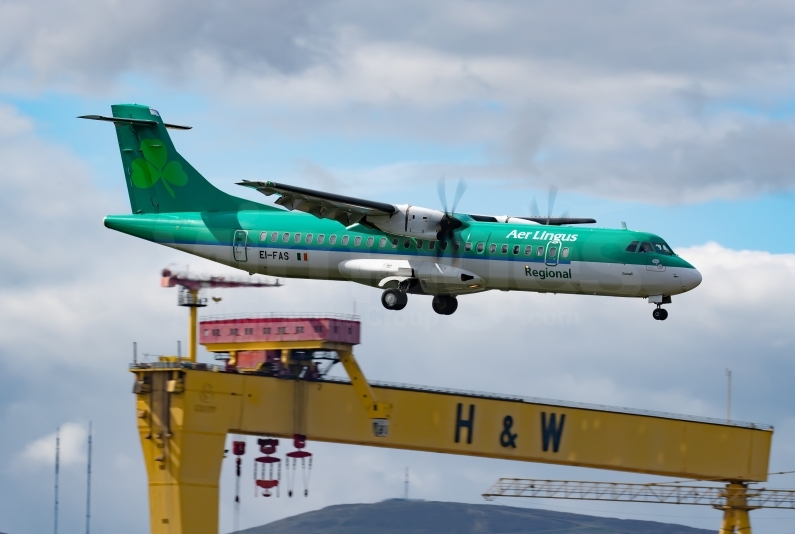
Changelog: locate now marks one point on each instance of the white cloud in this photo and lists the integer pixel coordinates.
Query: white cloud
(677, 104)
(72, 446)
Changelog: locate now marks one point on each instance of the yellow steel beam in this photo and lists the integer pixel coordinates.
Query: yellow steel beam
(277, 345)
(192, 325)
(374, 409)
(185, 414)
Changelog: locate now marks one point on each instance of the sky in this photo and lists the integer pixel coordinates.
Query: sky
(675, 117)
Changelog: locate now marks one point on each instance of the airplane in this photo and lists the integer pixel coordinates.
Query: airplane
(401, 249)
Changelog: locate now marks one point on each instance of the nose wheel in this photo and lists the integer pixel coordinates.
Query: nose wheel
(660, 314)
(444, 304)
(394, 299)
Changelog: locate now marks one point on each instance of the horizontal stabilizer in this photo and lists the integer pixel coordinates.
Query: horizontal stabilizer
(140, 122)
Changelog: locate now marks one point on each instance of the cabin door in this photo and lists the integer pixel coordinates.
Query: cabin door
(239, 245)
(553, 250)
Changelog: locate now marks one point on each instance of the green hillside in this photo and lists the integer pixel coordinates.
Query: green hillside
(421, 517)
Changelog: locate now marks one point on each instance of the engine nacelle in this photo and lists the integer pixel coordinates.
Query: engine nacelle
(409, 221)
(513, 220)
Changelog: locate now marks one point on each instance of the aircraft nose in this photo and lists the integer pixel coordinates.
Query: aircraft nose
(691, 279)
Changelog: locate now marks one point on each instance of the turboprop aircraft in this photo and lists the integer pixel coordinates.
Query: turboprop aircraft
(401, 249)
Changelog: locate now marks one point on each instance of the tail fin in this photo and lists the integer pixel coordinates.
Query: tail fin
(159, 180)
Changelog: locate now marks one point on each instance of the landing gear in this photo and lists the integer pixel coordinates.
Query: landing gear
(444, 304)
(394, 299)
(660, 314)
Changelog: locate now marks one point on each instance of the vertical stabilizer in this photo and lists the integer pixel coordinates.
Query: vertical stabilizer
(159, 180)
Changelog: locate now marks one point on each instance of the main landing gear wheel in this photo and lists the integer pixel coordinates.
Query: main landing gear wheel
(660, 314)
(394, 299)
(444, 305)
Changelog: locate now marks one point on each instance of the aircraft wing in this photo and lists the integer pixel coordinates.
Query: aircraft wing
(550, 221)
(343, 209)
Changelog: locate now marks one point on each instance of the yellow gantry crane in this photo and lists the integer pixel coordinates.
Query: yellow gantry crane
(273, 385)
(734, 499)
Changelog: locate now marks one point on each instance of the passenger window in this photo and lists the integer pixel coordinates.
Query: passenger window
(394, 242)
(504, 249)
(308, 238)
(370, 241)
(516, 249)
(645, 247)
(456, 245)
(285, 237)
(493, 248)
(406, 243)
(564, 253)
(419, 243)
(357, 240)
(443, 245)
(431, 245)
(263, 236)
(553, 251)
(345, 240)
(274, 236)
(540, 251)
(632, 247)
(481, 247)
(332, 240)
(468, 246)
(297, 238)
(320, 239)
(528, 250)
(382, 242)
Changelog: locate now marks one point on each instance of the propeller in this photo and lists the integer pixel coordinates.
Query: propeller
(553, 194)
(449, 224)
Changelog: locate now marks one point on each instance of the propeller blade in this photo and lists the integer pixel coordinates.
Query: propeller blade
(441, 188)
(553, 193)
(459, 192)
(534, 211)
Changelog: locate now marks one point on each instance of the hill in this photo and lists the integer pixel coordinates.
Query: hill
(420, 517)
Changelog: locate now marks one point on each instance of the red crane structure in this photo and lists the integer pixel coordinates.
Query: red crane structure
(191, 284)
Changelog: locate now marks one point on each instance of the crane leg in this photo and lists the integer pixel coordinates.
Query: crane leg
(727, 525)
(743, 521)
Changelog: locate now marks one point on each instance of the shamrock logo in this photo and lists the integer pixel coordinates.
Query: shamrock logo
(146, 171)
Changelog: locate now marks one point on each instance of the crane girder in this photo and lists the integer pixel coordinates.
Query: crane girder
(715, 496)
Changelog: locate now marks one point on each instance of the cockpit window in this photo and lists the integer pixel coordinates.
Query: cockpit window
(632, 247)
(662, 248)
(645, 247)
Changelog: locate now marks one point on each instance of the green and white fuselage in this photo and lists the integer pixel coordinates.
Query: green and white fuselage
(174, 206)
